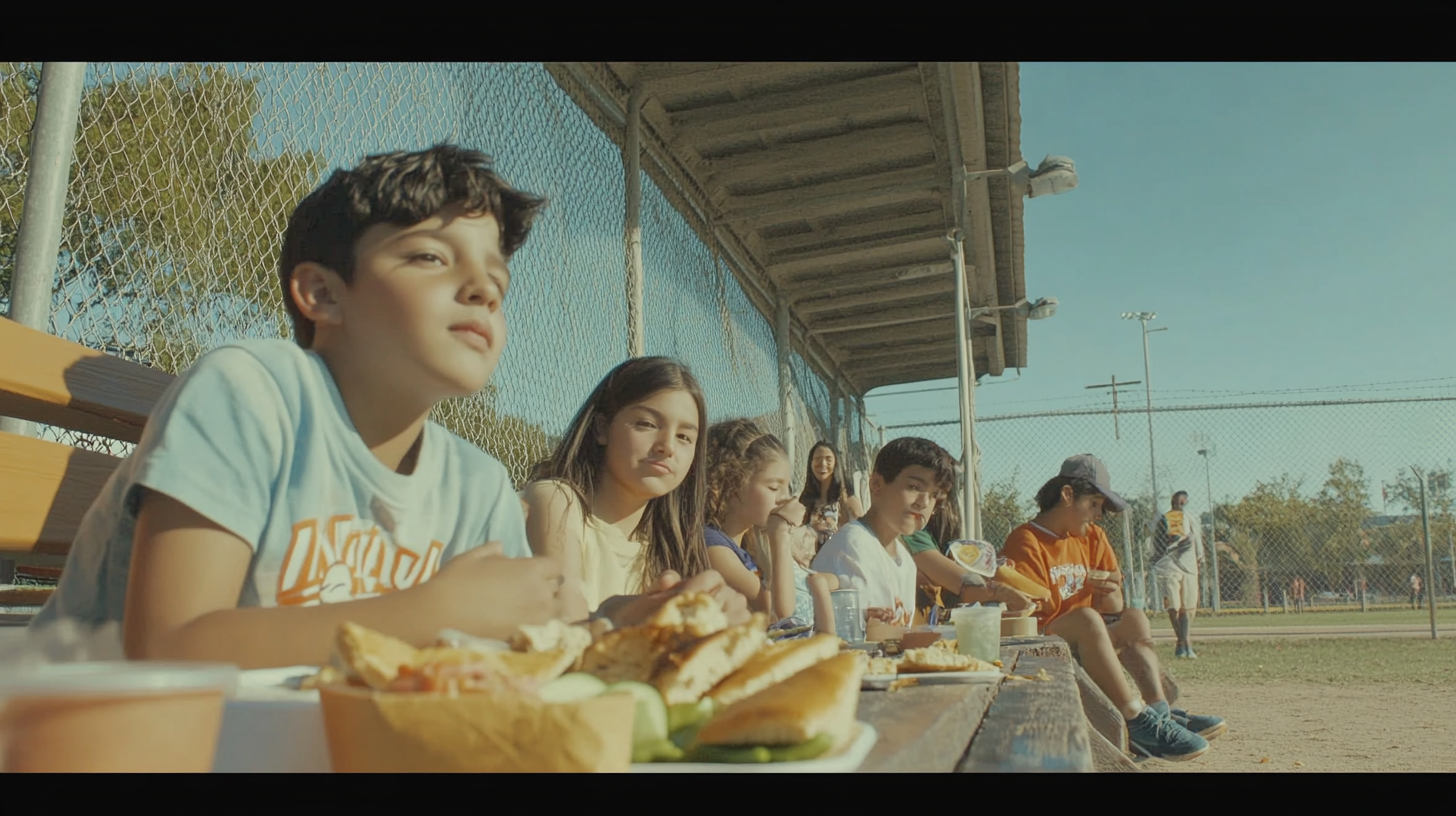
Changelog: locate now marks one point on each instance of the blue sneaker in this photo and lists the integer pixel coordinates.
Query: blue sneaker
(1154, 733)
(1204, 725)
(1189, 653)
(1179, 651)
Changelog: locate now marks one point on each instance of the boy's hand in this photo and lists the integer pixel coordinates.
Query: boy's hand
(1106, 586)
(880, 614)
(489, 595)
(1015, 599)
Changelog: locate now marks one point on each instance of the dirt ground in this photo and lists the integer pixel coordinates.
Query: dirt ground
(1303, 727)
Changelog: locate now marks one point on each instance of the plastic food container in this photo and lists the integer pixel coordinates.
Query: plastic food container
(978, 631)
(121, 716)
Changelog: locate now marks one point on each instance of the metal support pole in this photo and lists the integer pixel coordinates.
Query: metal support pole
(1430, 555)
(966, 378)
(1128, 564)
(1212, 537)
(1148, 379)
(1451, 553)
(38, 242)
(783, 341)
(835, 403)
(636, 337)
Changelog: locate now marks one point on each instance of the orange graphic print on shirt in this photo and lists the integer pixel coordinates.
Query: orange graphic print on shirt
(344, 558)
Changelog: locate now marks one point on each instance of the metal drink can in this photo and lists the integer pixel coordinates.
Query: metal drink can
(848, 617)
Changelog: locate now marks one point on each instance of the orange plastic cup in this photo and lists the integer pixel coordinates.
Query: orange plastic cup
(111, 717)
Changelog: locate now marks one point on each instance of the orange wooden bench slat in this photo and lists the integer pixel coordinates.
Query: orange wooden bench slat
(25, 596)
(45, 489)
(48, 379)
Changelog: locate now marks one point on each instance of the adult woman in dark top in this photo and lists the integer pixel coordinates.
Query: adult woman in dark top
(828, 497)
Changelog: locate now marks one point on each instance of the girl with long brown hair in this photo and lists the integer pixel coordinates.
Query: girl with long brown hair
(620, 501)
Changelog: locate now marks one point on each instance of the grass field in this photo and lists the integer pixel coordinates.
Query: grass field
(1350, 661)
(1276, 617)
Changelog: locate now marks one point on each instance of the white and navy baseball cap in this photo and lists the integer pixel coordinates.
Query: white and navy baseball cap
(1086, 466)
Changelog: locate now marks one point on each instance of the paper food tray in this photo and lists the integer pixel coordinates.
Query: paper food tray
(845, 760)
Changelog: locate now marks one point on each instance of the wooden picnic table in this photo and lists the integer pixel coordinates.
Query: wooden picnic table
(1013, 725)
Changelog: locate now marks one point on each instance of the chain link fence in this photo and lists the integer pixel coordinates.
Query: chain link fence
(184, 176)
(1321, 491)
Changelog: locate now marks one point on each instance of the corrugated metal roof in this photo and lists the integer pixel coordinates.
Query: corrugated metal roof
(831, 185)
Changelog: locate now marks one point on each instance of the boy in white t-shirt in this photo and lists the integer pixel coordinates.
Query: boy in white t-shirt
(280, 490)
(910, 476)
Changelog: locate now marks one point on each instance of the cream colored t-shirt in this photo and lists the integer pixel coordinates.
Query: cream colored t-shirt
(611, 563)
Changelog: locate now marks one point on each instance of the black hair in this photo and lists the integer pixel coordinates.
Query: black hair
(911, 451)
(1050, 494)
(838, 487)
(400, 188)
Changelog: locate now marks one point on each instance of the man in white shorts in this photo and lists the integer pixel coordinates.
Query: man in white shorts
(1176, 569)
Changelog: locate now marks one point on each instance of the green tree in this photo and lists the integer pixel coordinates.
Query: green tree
(174, 222)
(1440, 510)
(1267, 530)
(18, 84)
(518, 444)
(1342, 507)
(1003, 509)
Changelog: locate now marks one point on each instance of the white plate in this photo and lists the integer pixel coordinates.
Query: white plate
(883, 681)
(845, 760)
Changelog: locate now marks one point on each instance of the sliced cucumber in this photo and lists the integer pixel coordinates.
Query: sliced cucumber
(685, 736)
(570, 688)
(650, 724)
(812, 749)
(730, 753)
(663, 751)
(684, 715)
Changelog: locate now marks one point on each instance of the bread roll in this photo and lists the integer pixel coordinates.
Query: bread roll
(685, 676)
(772, 665)
(822, 699)
(1021, 583)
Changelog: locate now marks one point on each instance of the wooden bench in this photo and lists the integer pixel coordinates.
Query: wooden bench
(46, 487)
(1064, 723)
(1016, 725)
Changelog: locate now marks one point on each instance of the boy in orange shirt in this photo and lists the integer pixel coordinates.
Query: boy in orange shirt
(1064, 550)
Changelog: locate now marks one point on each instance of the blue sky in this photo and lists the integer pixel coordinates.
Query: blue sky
(1289, 223)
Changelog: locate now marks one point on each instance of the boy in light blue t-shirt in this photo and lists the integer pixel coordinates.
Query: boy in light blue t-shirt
(280, 490)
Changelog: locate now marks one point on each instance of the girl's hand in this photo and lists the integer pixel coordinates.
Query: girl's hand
(632, 610)
(792, 511)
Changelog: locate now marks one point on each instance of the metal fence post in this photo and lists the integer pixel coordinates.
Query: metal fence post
(636, 330)
(38, 243)
(1430, 555)
(783, 340)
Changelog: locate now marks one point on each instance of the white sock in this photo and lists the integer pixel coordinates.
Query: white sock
(1137, 709)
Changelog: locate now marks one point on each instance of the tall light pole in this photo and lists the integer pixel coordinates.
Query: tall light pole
(1144, 317)
(1039, 309)
(1212, 529)
(1055, 175)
